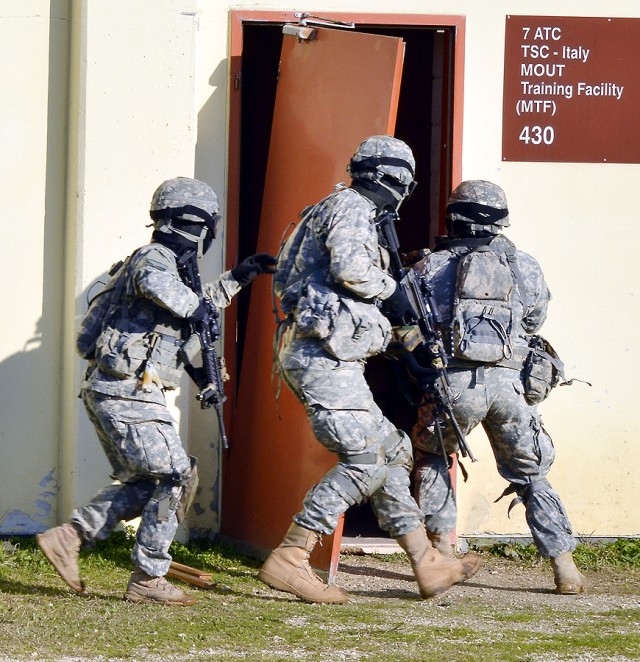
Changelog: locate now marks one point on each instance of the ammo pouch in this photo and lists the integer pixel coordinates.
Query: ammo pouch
(123, 355)
(119, 354)
(542, 371)
(350, 330)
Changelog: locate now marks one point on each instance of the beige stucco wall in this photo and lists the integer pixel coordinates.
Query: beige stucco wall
(32, 119)
(145, 98)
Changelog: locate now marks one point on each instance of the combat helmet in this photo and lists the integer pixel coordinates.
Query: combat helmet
(387, 162)
(187, 208)
(477, 207)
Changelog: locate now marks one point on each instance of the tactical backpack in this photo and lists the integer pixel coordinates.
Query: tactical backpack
(482, 323)
(100, 310)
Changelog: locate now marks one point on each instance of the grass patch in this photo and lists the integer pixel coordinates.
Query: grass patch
(242, 619)
(623, 553)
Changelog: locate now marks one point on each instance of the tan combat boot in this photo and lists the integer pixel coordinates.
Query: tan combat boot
(441, 542)
(156, 590)
(61, 545)
(434, 572)
(569, 580)
(287, 569)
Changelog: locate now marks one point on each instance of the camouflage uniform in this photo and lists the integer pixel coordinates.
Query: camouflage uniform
(492, 395)
(338, 274)
(135, 428)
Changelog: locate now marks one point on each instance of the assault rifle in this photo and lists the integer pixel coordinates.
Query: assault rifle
(434, 379)
(208, 377)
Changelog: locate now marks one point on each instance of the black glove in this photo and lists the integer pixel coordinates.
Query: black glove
(254, 265)
(198, 314)
(396, 307)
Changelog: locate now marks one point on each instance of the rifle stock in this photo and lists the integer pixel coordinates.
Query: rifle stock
(426, 317)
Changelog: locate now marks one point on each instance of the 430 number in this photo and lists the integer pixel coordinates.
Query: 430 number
(537, 135)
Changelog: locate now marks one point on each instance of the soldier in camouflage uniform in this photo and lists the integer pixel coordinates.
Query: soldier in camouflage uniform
(491, 391)
(140, 336)
(333, 283)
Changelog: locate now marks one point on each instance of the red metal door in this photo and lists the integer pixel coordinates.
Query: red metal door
(332, 92)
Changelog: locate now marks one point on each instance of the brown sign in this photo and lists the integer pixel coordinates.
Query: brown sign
(571, 89)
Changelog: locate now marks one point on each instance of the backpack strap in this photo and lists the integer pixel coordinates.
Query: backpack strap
(296, 242)
(510, 254)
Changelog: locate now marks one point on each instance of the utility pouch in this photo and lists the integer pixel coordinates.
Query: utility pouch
(543, 370)
(115, 354)
(360, 330)
(317, 310)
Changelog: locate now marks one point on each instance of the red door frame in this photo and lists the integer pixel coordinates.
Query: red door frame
(237, 18)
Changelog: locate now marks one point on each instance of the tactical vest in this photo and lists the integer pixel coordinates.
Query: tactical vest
(122, 331)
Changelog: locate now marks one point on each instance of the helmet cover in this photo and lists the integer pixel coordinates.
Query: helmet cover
(180, 192)
(478, 202)
(380, 156)
(180, 205)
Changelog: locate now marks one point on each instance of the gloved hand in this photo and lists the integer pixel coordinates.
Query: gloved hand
(198, 314)
(254, 265)
(396, 307)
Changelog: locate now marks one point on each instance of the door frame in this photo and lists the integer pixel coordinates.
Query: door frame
(237, 20)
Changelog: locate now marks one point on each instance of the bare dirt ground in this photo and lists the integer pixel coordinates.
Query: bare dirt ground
(502, 583)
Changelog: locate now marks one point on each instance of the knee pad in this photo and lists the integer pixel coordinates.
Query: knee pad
(168, 504)
(189, 488)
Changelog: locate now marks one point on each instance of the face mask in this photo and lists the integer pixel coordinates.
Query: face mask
(201, 234)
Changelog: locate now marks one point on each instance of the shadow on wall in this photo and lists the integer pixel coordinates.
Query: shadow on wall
(30, 444)
(28, 485)
(30, 393)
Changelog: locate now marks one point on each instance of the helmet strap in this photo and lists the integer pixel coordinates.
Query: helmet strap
(179, 240)
(397, 195)
(374, 191)
(196, 239)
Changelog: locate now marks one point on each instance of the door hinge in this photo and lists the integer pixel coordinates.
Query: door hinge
(237, 81)
(300, 32)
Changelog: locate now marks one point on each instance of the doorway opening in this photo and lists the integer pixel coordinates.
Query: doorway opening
(426, 120)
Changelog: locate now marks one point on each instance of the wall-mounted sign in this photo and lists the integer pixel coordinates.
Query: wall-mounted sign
(571, 89)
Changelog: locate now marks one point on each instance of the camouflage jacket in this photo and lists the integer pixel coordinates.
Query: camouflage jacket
(154, 304)
(332, 264)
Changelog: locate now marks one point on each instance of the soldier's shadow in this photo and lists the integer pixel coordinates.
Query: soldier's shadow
(31, 401)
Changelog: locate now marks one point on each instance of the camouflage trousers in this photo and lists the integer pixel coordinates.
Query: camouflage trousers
(374, 457)
(144, 449)
(524, 453)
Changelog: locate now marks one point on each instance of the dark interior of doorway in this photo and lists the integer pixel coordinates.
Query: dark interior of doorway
(423, 121)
